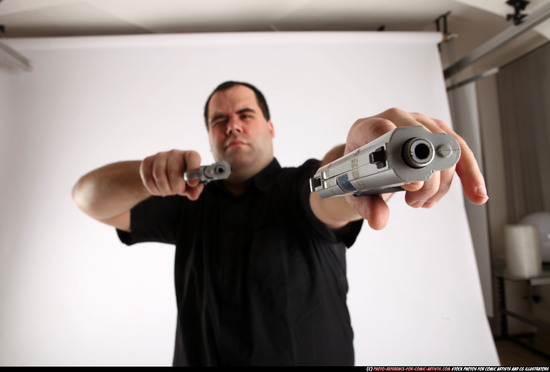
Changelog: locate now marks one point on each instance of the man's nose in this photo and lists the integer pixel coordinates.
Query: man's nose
(233, 126)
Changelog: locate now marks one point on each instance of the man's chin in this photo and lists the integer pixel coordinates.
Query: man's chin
(239, 160)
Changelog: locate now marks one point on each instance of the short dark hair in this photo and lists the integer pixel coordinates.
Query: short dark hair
(262, 103)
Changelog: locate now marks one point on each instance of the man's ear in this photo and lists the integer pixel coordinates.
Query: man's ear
(271, 128)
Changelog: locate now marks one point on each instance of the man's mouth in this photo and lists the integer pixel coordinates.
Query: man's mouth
(234, 142)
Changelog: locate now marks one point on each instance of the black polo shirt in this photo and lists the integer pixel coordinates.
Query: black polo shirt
(259, 279)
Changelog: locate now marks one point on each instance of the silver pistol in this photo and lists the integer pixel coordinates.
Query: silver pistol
(401, 156)
(206, 173)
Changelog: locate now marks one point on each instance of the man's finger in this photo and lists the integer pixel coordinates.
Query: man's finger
(372, 208)
(430, 188)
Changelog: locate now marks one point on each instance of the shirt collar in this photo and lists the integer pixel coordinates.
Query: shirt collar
(262, 181)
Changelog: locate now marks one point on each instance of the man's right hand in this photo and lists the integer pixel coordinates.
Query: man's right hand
(162, 173)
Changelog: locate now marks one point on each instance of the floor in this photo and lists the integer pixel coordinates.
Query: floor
(512, 354)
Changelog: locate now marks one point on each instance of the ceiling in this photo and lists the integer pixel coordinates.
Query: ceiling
(39, 18)
(473, 21)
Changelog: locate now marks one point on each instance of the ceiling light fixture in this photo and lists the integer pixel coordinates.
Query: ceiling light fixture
(9, 57)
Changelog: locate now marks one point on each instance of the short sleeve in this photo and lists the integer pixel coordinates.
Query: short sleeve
(347, 234)
(155, 219)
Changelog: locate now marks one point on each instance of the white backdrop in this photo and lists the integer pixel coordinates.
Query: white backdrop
(71, 294)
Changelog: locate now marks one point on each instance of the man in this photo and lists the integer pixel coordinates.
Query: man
(260, 271)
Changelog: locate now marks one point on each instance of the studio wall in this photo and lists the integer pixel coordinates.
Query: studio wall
(72, 294)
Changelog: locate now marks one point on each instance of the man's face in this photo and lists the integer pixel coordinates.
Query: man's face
(237, 130)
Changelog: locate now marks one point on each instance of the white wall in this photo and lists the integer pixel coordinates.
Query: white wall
(71, 294)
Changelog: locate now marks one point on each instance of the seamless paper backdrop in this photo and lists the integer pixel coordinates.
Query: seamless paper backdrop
(72, 294)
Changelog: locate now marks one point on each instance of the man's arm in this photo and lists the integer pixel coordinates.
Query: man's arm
(110, 192)
(338, 211)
